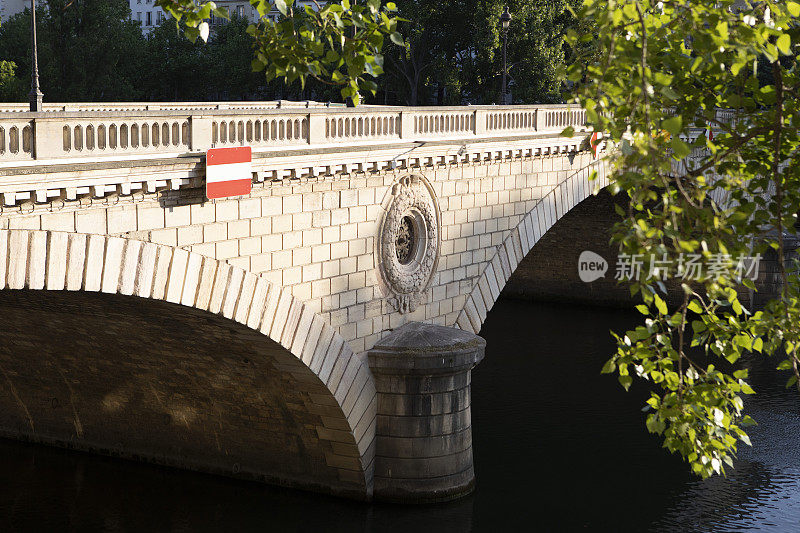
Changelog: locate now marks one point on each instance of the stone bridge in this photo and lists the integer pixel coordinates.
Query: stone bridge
(318, 332)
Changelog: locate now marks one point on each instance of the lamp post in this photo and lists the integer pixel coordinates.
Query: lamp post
(505, 21)
(35, 95)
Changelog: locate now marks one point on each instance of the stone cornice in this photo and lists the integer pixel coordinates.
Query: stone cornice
(29, 185)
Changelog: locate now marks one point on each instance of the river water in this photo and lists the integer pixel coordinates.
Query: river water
(558, 447)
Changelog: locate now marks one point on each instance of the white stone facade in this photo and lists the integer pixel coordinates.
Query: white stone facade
(146, 13)
(317, 237)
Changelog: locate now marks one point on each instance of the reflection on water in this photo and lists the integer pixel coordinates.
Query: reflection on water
(557, 447)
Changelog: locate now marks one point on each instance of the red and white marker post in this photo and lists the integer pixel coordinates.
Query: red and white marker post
(229, 172)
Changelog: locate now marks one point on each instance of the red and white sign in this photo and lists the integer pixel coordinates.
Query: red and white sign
(594, 143)
(229, 172)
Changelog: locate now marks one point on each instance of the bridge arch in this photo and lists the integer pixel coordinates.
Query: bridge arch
(519, 241)
(337, 386)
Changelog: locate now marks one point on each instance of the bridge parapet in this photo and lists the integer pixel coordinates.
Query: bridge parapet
(80, 131)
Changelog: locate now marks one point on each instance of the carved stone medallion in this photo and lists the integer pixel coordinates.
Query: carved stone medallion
(408, 242)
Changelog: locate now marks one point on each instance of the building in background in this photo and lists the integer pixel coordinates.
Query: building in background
(9, 8)
(148, 15)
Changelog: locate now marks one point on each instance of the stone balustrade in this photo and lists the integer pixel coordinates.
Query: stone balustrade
(19, 107)
(119, 130)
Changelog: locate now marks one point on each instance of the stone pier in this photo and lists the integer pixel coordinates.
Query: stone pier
(424, 434)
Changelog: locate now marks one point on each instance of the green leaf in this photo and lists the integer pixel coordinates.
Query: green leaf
(747, 421)
(680, 149)
(280, 5)
(661, 305)
(784, 43)
(673, 125)
(758, 344)
(397, 39)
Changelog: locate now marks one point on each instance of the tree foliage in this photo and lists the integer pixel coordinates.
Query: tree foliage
(127, 65)
(453, 51)
(71, 63)
(337, 43)
(177, 69)
(449, 52)
(10, 85)
(663, 71)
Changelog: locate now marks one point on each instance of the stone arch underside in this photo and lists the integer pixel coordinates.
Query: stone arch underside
(233, 374)
(508, 255)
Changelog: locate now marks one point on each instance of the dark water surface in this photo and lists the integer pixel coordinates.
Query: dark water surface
(558, 447)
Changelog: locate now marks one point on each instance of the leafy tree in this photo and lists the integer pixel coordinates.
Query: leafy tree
(453, 51)
(432, 53)
(664, 70)
(536, 49)
(176, 69)
(10, 85)
(72, 65)
(231, 55)
(338, 44)
(75, 66)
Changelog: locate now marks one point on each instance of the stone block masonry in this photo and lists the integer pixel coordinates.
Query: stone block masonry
(424, 434)
(360, 225)
(550, 271)
(150, 380)
(71, 286)
(316, 236)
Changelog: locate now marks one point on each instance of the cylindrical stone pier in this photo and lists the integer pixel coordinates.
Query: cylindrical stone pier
(424, 434)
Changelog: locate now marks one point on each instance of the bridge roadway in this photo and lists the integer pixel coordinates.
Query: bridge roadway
(318, 332)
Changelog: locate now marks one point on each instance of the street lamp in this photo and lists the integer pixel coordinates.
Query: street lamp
(505, 21)
(35, 95)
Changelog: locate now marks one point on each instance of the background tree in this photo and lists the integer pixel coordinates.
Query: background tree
(451, 55)
(453, 51)
(338, 44)
(177, 69)
(663, 71)
(429, 62)
(173, 67)
(71, 63)
(230, 56)
(91, 50)
(10, 85)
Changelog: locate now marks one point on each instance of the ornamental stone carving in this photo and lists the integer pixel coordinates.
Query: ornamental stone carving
(408, 242)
